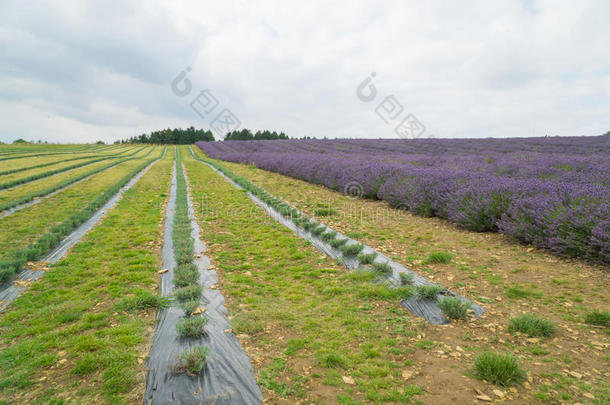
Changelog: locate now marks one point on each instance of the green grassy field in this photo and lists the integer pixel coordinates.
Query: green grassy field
(36, 171)
(65, 339)
(16, 193)
(315, 332)
(25, 226)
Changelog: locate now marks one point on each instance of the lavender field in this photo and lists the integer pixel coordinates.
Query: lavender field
(551, 192)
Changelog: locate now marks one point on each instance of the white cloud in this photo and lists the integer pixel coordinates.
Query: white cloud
(102, 70)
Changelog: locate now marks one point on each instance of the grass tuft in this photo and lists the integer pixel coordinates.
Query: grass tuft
(185, 275)
(328, 236)
(318, 230)
(518, 292)
(454, 308)
(307, 224)
(142, 300)
(191, 361)
(189, 306)
(338, 243)
(367, 258)
(438, 257)
(247, 324)
(332, 360)
(428, 292)
(383, 268)
(189, 293)
(191, 326)
(531, 325)
(325, 212)
(406, 278)
(497, 368)
(352, 250)
(599, 318)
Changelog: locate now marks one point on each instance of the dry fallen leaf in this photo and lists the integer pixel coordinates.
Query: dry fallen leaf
(162, 271)
(483, 398)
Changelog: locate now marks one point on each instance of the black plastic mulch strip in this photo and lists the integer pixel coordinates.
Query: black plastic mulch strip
(228, 376)
(427, 309)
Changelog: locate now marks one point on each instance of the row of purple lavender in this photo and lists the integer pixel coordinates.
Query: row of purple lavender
(551, 192)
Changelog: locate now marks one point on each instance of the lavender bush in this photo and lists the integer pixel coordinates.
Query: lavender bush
(551, 192)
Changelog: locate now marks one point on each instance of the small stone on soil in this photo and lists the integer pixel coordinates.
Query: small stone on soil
(348, 380)
(199, 310)
(483, 398)
(499, 393)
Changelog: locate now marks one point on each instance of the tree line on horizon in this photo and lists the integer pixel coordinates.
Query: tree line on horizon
(247, 135)
(190, 135)
(176, 136)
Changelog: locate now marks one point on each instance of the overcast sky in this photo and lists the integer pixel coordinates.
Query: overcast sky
(78, 71)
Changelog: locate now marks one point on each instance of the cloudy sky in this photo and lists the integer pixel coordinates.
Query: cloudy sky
(78, 71)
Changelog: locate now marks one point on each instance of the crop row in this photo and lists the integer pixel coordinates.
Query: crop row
(186, 280)
(557, 199)
(310, 225)
(8, 152)
(48, 173)
(21, 195)
(26, 162)
(41, 155)
(48, 148)
(37, 176)
(348, 248)
(85, 324)
(47, 164)
(298, 218)
(60, 161)
(25, 226)
(14, 261)
(280, 286)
